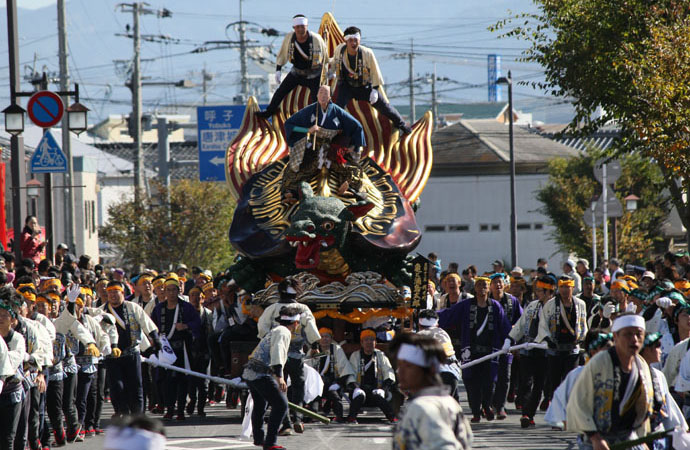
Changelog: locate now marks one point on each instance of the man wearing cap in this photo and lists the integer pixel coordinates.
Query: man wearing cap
(532, 361)
(60, 253)
(613, 398)
(307, 52)
(335, 370)
(180, 322)
(569, 270)
(124, 364)
(513, 310)
(431, 418)
(587, 295)
(484, 329)
(450, 370)
(563, 326)
(374, 378)
(265, 377)
(359, 77)
(615, 269)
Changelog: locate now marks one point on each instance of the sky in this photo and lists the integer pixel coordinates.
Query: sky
(449, 35)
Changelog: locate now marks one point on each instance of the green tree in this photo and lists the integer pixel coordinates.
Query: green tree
(571, 187)
(632, 58)
(192, 229)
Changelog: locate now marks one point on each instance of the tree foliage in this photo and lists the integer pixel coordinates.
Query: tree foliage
(570, 189)
(632, 58)
(192, 229)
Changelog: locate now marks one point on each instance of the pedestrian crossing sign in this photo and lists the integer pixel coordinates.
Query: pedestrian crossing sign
(48, 156)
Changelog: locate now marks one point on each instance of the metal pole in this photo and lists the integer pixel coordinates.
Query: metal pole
(70, 231)
(412, 111)
(594, 236)
(614, 236)
(135, 85)
(18, 165)
(434, 104)
(48, 181)
(513, 218)
(604, 198)
(243, 59)
(203, 83)
(163, 153)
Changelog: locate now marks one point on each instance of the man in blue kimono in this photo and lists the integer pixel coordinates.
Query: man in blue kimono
(323, 136)
(484, 329)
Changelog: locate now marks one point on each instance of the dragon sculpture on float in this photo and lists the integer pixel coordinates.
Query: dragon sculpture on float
(328, 235)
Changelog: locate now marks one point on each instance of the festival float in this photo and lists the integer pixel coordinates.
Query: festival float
(352, 253)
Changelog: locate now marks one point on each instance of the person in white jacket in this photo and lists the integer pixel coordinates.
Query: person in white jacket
(12, 392)
(431, 419)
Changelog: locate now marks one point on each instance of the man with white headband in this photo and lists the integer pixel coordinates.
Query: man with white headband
(359, 77)
(431, 418)
(264, 375)
(308, 53)
(307, 332)
(613, 397)
(449, 371)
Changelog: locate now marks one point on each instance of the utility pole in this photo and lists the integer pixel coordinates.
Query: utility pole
(243, 59)
(434, 103)
(18, 166)
(412, 111)
(205, 76)
(137, 9)
(66, 138)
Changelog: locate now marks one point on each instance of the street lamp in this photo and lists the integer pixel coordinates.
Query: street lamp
(631, 202)
(513, 219)
(33, 190)
(76, 118)
(14, 119)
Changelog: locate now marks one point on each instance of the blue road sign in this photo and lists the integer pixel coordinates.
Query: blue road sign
(217, 127)
(48, 156)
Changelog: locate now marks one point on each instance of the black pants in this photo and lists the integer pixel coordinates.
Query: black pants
(69, 407)
(84, 381)
(347, 93)
(502, 383)
(333, 401)
(28, 428)
(452, 382)
(557, 367)
(532, 375)
(94, 401)
(198, 387)
(10, 413)
(148, 387)
(54, 405)
(289, 83)
(294, 368)
(175, 391)
(480, 387)
(124, 379)
(20, 439)
(370, 399)
(265, 393)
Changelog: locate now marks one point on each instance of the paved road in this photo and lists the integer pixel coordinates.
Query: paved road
(221, 428)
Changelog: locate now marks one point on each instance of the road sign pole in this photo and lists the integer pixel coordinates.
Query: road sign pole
(594, 237)
(48, 194)
(605, 206)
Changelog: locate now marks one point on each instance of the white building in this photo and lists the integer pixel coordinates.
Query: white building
(465, 208)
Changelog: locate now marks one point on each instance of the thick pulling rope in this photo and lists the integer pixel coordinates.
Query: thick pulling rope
(528, 345)
(234, 385)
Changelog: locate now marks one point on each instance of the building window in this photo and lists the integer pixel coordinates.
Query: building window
(483, 227)
(458, 228)
(93, 216)
(435, 228)
(538, 226)
(495, 227)
(524, 226)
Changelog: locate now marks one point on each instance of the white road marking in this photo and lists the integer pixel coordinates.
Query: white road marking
(212, 444)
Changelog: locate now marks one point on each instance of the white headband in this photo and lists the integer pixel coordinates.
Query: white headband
(428, 322)
(353, 36)
(290, 318)
(628, 321)
(117, 438)
(290, 290)
(415, 355)
(296, 21)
